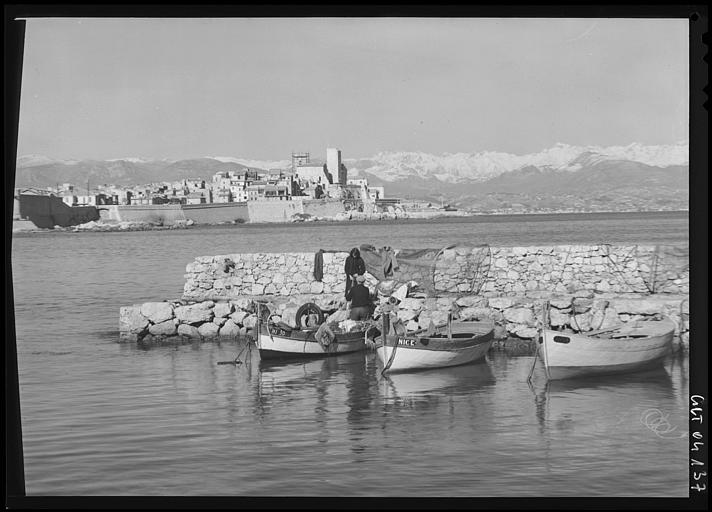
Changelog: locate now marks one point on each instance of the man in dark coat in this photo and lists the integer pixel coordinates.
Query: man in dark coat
(355, 266)
(360, 297)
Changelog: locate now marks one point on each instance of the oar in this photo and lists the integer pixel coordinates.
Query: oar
(607, 329)
(433, 327)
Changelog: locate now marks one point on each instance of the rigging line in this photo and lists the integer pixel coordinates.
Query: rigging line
(654, 279)
(435, 260)
(616, 267)
(393, 352)
(573, 314)
(563, 267)
(484, 273)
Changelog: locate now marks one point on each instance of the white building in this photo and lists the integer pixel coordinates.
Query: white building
(239, 192)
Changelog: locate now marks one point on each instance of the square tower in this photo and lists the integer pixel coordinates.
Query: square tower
(334, 166)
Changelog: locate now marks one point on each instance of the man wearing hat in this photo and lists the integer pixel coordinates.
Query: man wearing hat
(360, 297)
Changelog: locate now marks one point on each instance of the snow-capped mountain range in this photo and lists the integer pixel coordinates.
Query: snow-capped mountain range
(485, 165)
(478, 166)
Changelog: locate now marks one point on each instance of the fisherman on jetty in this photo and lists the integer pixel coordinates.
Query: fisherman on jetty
(355, 266)
(360, 297)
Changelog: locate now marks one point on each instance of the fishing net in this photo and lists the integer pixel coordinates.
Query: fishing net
(458, 269)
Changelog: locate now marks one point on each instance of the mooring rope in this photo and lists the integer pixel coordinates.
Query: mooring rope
(393, 353)
(237, 360)
(544, 324)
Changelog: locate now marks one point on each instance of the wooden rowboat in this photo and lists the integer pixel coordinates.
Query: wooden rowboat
(461, 343)
(626, 348)
(280, 341)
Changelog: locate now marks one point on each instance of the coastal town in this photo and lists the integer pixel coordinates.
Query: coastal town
(309, 189)
(306, 178)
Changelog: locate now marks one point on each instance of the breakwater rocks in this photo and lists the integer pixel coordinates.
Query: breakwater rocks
(486, 271)
(515, 318)
(129, 226)
(176, 320)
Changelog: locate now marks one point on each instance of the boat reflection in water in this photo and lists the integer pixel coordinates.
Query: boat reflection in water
(616, 400)
(638, 412)
(285, 382)
(423, 385)
(285, 374)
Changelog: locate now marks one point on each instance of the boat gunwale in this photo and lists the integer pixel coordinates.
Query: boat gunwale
(439, 344)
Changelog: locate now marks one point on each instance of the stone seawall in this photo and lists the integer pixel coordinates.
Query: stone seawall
(586, 287)
(487, 271)
(163, 214)
(283, 211)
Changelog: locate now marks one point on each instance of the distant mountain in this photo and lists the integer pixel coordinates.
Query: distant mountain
(603, 185)
(116, 172)
(625, 177)
(482, 166)
(619, 175)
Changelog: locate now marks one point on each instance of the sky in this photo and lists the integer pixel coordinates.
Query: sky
(261, 88)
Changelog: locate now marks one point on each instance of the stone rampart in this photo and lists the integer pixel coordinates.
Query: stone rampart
(284, 211)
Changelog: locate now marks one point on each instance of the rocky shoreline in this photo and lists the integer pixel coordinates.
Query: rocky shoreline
(515, 318)
(105, 225)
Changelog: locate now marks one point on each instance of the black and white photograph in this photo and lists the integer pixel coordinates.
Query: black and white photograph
(365, 255)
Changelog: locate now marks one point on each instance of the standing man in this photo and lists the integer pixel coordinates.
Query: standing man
(355, 266)
(360, 297)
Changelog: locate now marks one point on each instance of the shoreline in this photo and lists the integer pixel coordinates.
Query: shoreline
(100, 226)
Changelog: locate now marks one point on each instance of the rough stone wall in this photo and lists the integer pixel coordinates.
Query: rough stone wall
(598, 268)
(235, 275)
(514, 317)
(490, 272)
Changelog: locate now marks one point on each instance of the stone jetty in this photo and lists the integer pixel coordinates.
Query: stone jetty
(585, 287)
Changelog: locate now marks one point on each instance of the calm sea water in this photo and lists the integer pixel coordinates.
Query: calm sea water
(103, 418)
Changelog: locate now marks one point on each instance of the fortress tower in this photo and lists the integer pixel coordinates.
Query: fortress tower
(334, 165)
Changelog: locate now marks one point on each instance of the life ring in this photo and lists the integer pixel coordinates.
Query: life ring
(309, 309)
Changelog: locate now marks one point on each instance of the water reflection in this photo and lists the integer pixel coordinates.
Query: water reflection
(297, 380)
(422, 386)
(611, 400)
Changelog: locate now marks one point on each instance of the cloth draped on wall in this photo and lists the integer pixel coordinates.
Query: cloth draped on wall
(319, 265)
(380, 263)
